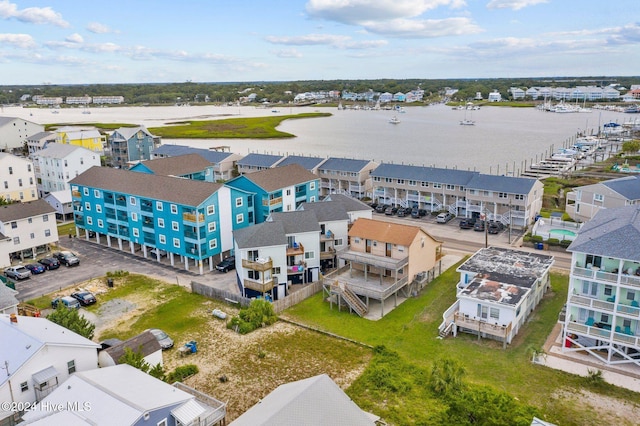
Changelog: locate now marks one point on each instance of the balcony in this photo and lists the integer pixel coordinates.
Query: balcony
(272, 201)
(193, 217)
(258, 264)
(295, 250)
(597, 274)
(589, 302)
(76, 194)
(260, 286)
(328, 236)
(121, 201)
(330, 253)
(483, 326)
(295, 269)
(595, 332)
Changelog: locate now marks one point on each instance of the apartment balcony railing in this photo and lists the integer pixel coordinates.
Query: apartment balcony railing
(483, 325)
(591, 303)
(272, 201)
(295, 250)
(328, 254)
(603, 333)
(327, 236)
(258, 264)
(192, 217)
(261, 286)
(596, 274)
(76, 194)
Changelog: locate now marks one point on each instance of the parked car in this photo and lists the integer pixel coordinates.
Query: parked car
(444, 217)
(35, 268)
(495, 227)
(155, 251)
(17, 272)
(390, 211)
(401, 212)
(67, 258)
(467, 223)
(380, 208)
(227, 264)
(85, 298)
(479, 226)
(66, 302)
(163, 338)
(49, 263)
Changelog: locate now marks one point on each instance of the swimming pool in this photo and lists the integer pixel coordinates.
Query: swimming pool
(562, 232)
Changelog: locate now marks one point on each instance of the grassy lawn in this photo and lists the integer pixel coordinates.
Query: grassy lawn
(411, 331)
(232, 128)
(65, 229)
(99, 126)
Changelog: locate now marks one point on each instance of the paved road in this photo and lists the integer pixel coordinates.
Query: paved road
(96, 260)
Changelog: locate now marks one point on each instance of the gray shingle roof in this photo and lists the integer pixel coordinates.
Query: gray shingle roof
(156, 187)
(423, 174)
(612, 232)
(351, 204)
(177, 166)
(507, 184)
(344, 164)
(260, 160)
(128, 132)
(264, 234)
(628, 186)
(326, 211)
(297, 221)
(42, 135)
(281, 177)
(308, 163)
(18, 211)
(145, 343)
(213, 157)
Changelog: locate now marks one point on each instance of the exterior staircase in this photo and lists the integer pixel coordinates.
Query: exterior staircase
(446, 330)
(351, 298)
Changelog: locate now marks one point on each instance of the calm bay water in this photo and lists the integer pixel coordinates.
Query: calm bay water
(502, 138)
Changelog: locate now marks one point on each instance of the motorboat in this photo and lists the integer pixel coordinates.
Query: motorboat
(394, 120)
(467, 122)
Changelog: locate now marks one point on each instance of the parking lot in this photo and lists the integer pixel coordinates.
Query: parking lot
(96, 260)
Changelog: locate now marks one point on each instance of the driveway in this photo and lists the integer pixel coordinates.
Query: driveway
(96, 260)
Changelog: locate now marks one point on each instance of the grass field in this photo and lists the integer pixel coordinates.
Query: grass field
(232, 128)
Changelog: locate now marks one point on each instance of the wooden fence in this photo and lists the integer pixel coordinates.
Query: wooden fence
(296, 297)
(216, 293)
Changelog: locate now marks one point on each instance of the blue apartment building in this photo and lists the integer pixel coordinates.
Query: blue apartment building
(281, 189)
(189, 221)
(187, 166)
(131, 144)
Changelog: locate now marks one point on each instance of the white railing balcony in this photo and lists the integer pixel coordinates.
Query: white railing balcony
(591, 303)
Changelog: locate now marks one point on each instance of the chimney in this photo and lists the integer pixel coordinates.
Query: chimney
(13, 318)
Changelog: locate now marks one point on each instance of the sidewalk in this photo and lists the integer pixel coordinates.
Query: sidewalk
(625, 376)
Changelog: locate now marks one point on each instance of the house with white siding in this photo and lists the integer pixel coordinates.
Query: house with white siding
(57, 164)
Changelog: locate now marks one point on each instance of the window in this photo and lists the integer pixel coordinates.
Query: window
(211, 227)
(71, 366)
(24, 386)
(608, 290)
(494, 313)
(309, 255)
(338, 242)
(502, 195)
(47, 232)
(451, 187)
(16, 240)
(630, 295)
(85, 191)
(160, 222)
(136, 232)
(239, 218)
(252, 255)
(288, 193)
(519, 197)
(96, 193)
(30, 220)
(89, 220)
(356, 240)
(483, 311)
(174, 209)
(239, 199)
(376, 178)
(312, 185)
(132, 201)
(400, 181)
(604, 318)
(6, 185)
(213, 243)
(159, 205)
(211, 210)
(412, 183)
(134, 216)
(14, 225)
(32, 235)
(598, 197)
(175, 226)
(388, 180)
(162, 422)
(100, 223)
(162, 239)
(10, 170)
(424, 184)
(176, 243)
(275, 270)
(437, 185)
(254, 275)
(87, 206)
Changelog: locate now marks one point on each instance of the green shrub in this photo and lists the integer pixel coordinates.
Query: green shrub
(553, 241)
(536, 238)
(181, 373)
(258, 314)
(118, 273)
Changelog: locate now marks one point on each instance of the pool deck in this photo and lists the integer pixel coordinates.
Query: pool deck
(545, 227)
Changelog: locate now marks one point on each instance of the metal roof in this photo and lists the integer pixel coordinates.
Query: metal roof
(260, 160)
(612, 232)
(344, 164)
(507, 184)
(423, 174)
(628, 186)
(61, 150)
(43, 376)
(213, 157)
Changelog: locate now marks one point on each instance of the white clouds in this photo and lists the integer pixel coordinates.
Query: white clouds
(32, 15)
(98, 28)
(357, 11)
(22, 41)
(428, 28)
(287, 53)
(337, 41)
(75, 38)
(513, 4)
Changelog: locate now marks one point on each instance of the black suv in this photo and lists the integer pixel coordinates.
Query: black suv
(495, 227)
(227, 264)
(67, 258)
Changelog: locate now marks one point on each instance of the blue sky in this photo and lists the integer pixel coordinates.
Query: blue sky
(140, 41)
